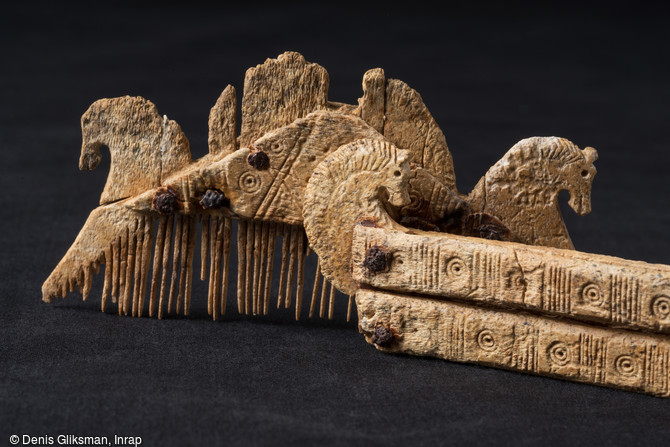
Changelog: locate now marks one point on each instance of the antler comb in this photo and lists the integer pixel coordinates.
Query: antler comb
(490, 277)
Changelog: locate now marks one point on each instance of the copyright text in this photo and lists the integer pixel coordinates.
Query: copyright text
(74, 440)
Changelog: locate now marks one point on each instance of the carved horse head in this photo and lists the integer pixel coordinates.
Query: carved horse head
(559, 165)
(349, 185)
(522, 189)
(580, 187)
(144, 146)
(541, 167)
(391, 180)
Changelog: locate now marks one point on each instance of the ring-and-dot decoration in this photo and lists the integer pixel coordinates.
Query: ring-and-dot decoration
(250, 182)
(277, 147)
(591, 294)
(660, 307)
(625, 365)
(456, 267)
(559, 353)
(486, 341)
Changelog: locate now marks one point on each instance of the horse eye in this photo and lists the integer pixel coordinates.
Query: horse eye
(585, 173)
(397, 173)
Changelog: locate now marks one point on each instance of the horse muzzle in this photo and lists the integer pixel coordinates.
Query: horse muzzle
(581, 203)
(90, 156)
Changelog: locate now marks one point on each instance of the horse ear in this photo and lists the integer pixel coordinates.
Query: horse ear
(590, 154)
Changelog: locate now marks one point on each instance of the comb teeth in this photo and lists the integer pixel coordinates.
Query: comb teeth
(218, 236)
(127, 260)
(175, 263)
(286, 232)
(272, 238)
(227, 235)
(146, 262)
(109, 262)
(241, 263)
(167, 248)
(136, 269)
(204, 253)
(116, 269)
(258, 249)
(156, 253)
(249, 256)
(183, 262)
(322, 307)
(193, 224)
(315, 289)
(293, 254)
(215, 236)
(157, 266)
(302, 252)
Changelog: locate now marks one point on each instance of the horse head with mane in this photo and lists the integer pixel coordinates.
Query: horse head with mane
(522, 189)
(363, 174)
(145, 148)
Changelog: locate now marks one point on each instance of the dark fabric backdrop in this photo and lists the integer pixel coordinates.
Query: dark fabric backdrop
(490, 74)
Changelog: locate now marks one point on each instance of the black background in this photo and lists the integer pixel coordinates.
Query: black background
(491, 74)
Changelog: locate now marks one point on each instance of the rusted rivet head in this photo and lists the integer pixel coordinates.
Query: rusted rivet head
(213, 199)
(377, 259)
(382, 335)
(258, 160)
(165, 201)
